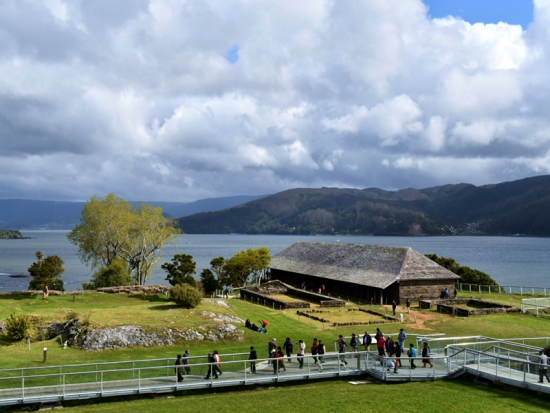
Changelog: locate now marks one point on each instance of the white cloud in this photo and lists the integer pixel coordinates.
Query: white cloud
(138, 97)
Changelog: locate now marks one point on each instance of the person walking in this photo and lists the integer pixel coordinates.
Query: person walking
(179, 367)
(353, 344)
(408, 305)
(367, 341)
(281, 358)
(342, 350)
(273, 360)
(186, 362)
(288, 348)
(301, 350)
(272, 345)
(381, 345)
(218, 362)
(401, 337)
(411, 352)
(426, 355)
(393, 306)
(314, 350)
(321, 350)
(543, 367)
(211, 371)
(252, 357)
(397, 351)
(389, 344)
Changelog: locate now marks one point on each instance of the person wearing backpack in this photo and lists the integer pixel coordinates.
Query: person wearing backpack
(314, 350)
(426, 355)
(321, 350)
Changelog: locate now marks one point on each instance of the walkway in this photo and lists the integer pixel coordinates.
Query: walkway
(508, 361)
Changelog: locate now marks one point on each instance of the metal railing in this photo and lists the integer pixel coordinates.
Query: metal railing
(501, 289)
(48, 384)
(513, 367)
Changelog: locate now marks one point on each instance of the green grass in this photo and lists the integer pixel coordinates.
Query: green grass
(332, 395)
(339, 396)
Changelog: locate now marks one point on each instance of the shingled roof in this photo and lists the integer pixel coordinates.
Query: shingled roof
(370, 265)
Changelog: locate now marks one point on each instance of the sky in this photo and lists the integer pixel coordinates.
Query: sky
(169, 100)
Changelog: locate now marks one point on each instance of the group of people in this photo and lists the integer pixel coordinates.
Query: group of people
(391, 350)
(407, 303)
(387, 347)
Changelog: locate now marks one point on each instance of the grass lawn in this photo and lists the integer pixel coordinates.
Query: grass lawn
(340, 396)
(332, 395)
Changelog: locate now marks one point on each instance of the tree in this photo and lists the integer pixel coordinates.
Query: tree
(46, 271)
(246, 263)
(115, 275)
(111, 227)
(181, 270)
(264, 260)
(217, 267)
(466, 274)
(209, 282)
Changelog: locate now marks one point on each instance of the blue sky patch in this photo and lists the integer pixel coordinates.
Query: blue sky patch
(485, 11)
(232, 55)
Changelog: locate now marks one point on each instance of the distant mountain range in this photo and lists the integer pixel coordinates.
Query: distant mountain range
(32, 214)
(511, 208)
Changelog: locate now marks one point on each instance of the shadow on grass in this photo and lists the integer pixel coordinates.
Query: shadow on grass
(165, 307)
(152, 298)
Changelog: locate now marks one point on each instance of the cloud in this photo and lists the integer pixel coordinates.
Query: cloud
(180, 100)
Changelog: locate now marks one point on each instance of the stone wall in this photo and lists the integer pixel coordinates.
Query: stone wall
(423, 289)
(130, 289)
(263, 299)
(261, 295)
(482, 307)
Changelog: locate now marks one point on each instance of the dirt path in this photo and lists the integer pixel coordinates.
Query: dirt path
(418, 318)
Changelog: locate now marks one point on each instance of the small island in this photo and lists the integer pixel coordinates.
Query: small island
(11, 234)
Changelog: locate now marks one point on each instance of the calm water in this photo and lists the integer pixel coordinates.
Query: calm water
(509, 260)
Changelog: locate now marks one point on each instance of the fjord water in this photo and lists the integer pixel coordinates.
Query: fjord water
(515, 261)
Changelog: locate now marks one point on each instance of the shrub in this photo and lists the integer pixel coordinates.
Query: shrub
(185, 295)
(17, 327)
(115, 275)
(70, 314)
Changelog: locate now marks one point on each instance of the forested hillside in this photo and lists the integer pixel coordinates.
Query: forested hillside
(518, 207)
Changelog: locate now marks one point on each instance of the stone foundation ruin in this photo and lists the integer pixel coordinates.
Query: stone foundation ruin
(263, 294)
(481, 307)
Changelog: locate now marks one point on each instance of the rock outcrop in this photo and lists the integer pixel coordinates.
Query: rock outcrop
(134, 336)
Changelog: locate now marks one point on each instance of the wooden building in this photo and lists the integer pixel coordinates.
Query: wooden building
(366, 272)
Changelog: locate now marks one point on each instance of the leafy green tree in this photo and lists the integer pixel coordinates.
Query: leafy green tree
(238, 268)
(466, 274)
(217, 267)
(246, 263)
(185, 295)
(264, 260)
(209, 282)
(181, 270)
(46, 271)
(471, 276)
(115, 275)
(111, 227)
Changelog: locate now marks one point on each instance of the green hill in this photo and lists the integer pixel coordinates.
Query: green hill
(518, 207)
